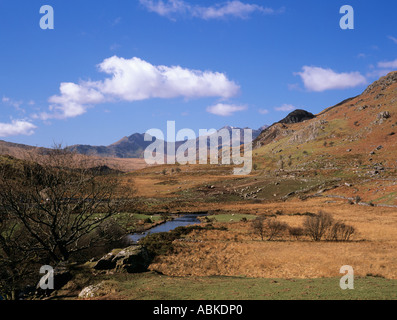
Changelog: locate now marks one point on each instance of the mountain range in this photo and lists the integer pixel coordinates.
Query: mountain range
(359, 130)
(134, 145)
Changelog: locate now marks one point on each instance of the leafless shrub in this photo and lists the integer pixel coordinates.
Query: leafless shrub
(317, 226)
(341, 232)
(258, 226)
(296, 232)
(275, 228)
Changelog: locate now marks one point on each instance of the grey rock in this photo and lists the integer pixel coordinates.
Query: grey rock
(133, 259)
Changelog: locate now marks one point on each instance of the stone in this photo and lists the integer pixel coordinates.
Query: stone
(133, 259)
(384, 115)
(106, 262)
(90, 291)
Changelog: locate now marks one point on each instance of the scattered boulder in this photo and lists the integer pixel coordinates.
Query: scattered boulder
(90, 291)
(133, 259)
(383, 116)
(106, 262)
(99, 290)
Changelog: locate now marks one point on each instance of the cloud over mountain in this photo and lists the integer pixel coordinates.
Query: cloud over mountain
(319, 79)
(135, 79)
(16, 127)
(225, 110)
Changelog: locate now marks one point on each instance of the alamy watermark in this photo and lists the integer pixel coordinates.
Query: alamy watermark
(47, 281)
(347, 281)
(347, 21)
(191, 150)
(47, 20)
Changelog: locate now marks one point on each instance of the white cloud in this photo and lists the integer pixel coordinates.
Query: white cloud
(73, 101)
(393, 39)
(377, 73)
(135, 79)
(286, 108)
(263, 111)
(319, 79)
(232, 8)
(225, 110)
(14, 103)
(388, 64)
(382, 69)
(235, 8)
(16, 127)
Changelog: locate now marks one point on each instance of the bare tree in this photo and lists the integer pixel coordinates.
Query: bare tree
(16, 258)
(341, 232)
(57, 201)
(274, 228)
(316, 226)
(258, 226)
(269, 228)
(296, 232)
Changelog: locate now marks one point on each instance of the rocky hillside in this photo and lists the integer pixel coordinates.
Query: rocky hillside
(360, 130)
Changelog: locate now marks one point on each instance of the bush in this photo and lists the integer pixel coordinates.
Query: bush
(147, 220)
(341, 232)
(275, 228)
(271, 228)
(321, 225)
(317, 226)
(296, 232)
(258, 226)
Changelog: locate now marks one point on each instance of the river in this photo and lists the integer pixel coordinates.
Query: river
(181, 221)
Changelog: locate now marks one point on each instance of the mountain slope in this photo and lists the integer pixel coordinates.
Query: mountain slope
(360, 130)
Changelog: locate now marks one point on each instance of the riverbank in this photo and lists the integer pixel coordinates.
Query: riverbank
(169, 224)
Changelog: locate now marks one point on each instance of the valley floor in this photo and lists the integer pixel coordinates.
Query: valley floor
(232, 262)
(152, 286)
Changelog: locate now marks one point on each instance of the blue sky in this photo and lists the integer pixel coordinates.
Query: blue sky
(112, 68)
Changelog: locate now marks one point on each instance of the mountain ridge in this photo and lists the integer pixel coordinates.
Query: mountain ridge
(133, 146)
(360, 130)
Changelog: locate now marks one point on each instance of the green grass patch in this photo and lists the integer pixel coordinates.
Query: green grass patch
(229, 217)
(152, 286)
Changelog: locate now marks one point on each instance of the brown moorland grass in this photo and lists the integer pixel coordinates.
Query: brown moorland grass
(239, 252)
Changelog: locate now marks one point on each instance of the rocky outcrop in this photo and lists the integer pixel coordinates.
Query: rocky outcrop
(270, 134)
(297, 116)
(280, 129)
(308, 133)
(132, 259)
(383, 83)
